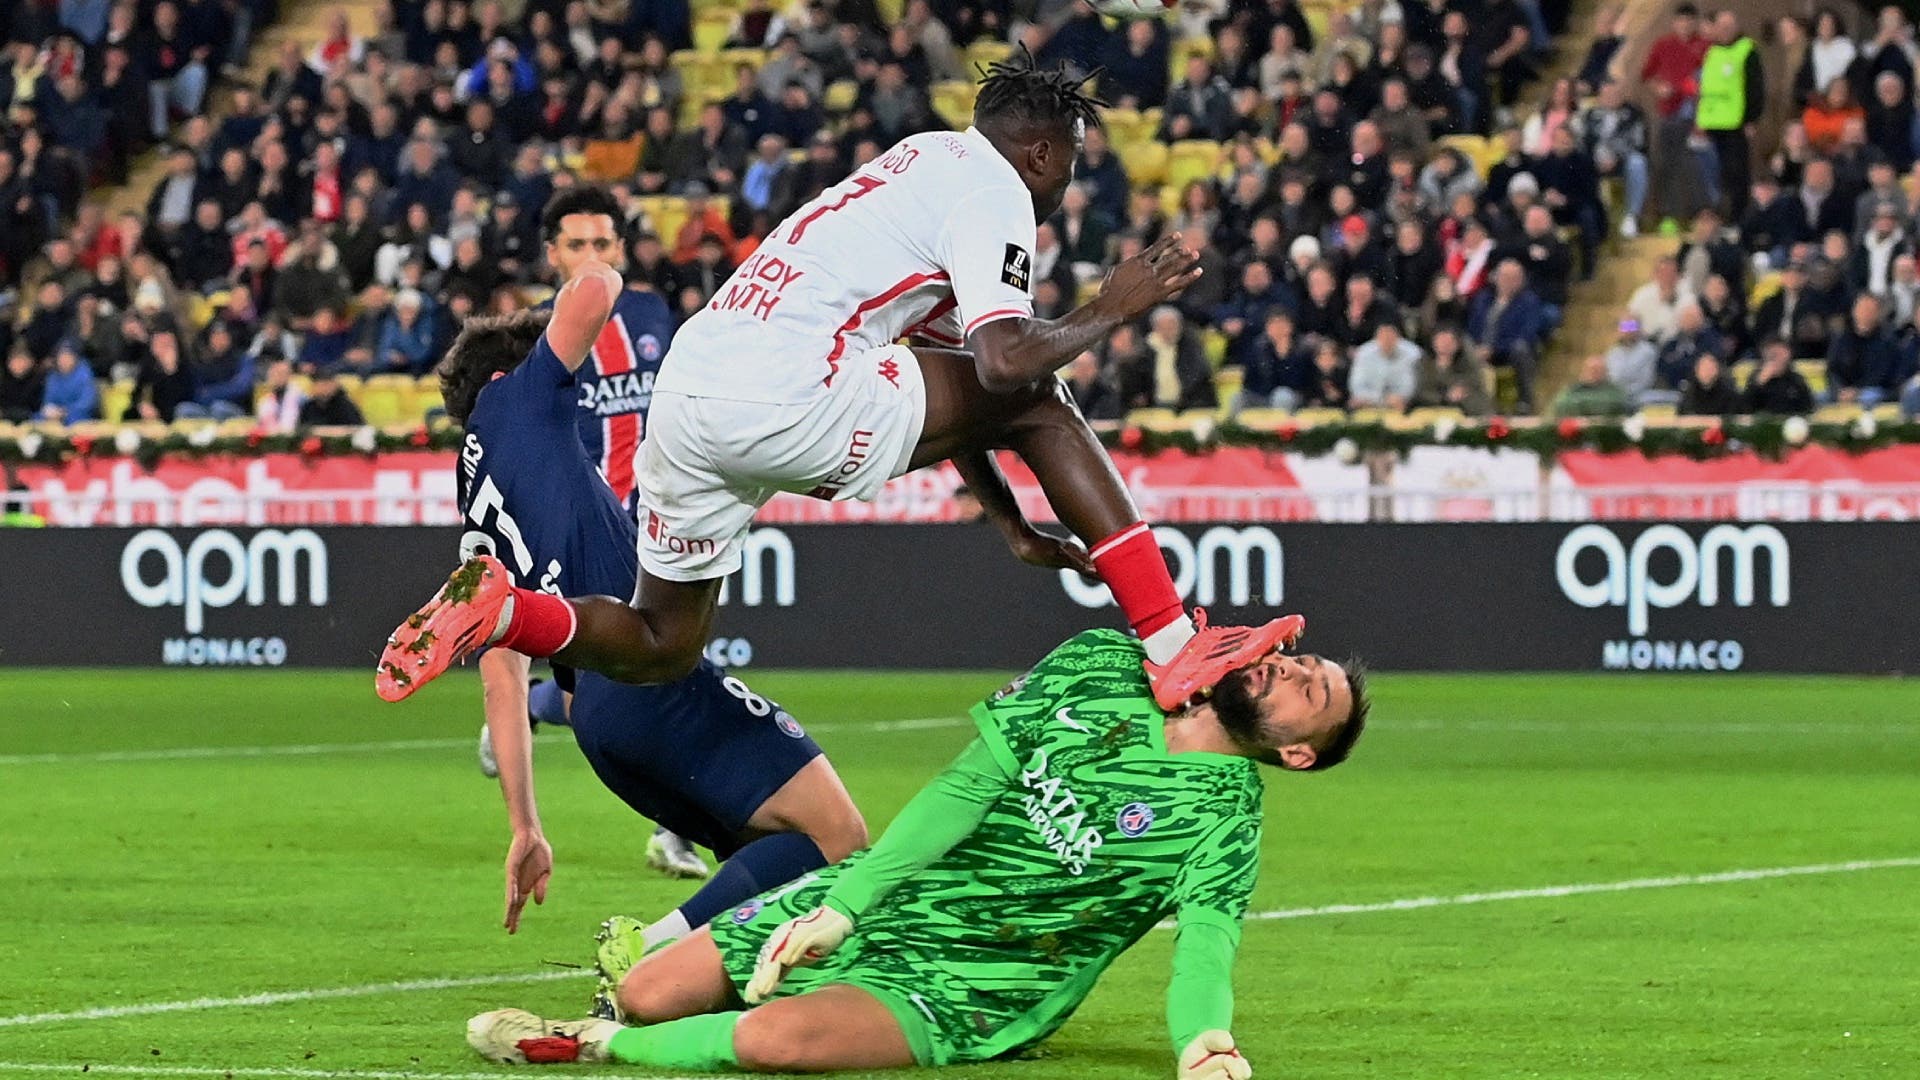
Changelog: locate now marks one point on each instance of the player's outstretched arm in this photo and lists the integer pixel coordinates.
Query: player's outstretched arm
(580, 309)
(940, 816)
(503, 685)
(983, 477)
(1012, 353)
(1211, 897)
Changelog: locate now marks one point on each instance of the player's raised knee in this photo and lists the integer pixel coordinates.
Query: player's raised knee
(647, 998)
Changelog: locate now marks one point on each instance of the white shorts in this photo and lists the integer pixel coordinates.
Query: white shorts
(708, 464)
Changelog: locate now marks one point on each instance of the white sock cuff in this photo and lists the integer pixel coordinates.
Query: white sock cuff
(1117, 539)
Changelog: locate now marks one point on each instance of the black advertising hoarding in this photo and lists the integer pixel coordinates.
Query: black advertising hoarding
(1633, 597)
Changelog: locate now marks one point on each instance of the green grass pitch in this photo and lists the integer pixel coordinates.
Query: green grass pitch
(266, 863)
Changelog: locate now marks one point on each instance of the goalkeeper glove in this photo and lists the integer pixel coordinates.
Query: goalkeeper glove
(1212, 1056)
(796, 943)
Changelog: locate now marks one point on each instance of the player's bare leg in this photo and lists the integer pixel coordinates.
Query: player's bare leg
(1041, 423)
(658, 637)
(684, 979)
(816, 804)
(829, 1029)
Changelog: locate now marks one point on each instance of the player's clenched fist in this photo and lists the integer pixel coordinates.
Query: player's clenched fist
(1212, 1056)
(796, 943)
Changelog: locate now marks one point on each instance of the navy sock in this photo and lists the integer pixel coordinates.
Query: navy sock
(547, 704)
(761, 865)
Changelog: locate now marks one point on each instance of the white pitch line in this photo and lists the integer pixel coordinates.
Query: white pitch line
(218, 1071)
(282, 997)
(1415, 903)
(197, 753)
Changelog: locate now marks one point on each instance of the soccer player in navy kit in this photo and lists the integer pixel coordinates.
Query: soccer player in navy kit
(704, 756)
(615, 387)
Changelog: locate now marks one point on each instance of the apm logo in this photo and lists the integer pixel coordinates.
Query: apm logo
(1238, 567)
(191, 578)
(1630, 580)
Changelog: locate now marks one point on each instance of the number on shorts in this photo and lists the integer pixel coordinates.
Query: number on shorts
(755, 704)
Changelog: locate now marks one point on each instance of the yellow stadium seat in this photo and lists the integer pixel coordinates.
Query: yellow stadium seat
(891, 10)
(1192, 159)
(1145, 162)
(114, 398)
(1120, 124)
(1215, 344)
(953, 100)
(1764, 288)
(1815, 372)
(1263, 419)
(1155, 419)
(1659, 411)
(1836, 414)
(711, 30)
(426, 396)
(1428, 415)
(386, 399)
(984, 52)
(673, 214)
(731, 59)
(840, 96)
(1309, 417)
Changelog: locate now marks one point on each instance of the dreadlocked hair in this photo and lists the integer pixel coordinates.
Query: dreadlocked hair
(1017, 91)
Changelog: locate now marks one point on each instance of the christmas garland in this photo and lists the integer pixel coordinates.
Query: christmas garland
(57, 448)
(1771, 437)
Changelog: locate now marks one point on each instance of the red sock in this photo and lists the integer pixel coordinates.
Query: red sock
(541, 624)
(1130, 563)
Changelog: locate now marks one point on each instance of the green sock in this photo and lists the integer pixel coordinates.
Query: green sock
(693, 1042)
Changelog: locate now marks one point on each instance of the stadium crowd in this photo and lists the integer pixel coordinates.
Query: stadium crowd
(1366, 246)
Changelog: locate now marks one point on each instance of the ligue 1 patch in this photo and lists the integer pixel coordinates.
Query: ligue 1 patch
(1134, 819)
(785, 721)
(1018, 269)
(745, 913)
(649, 348)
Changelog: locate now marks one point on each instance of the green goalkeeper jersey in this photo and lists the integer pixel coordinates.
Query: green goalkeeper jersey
(1057, 841)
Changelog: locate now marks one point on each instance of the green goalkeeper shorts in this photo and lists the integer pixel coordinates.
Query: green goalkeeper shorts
(946, 1021)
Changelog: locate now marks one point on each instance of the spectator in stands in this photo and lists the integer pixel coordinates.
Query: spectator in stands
(1200, 106)
(222, 375)
(756, 26)
(1609, 33)
(1863, 366)
(1365, 311)
(1548, 264)
(1692, 337)
(1329, 387)
(176, 69)
(164, 383)
(1672, 69)
(1279, 370)
(1179, 376)
(1136, 64)
(1776, 387)
(1507, 325)
(1594, 394)
(1825, 119)
(1243, 317)
(1092, 388)
(1656, 305)
(1385, 372)
(1871, 267)
(1632, 362)
(1451, 377)
(69, 394)
(1613, 134)
(406, 338)
(1726, 313)
(1890, 120)
(1707, 252)
(1732, 97)
(1709, 390)
(280, 399)
(22, 386)
(1413, 266)
(1793, 314)
(329, 404)
(1831, 54)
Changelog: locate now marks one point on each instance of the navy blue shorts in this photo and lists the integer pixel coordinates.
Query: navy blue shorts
(698, 756)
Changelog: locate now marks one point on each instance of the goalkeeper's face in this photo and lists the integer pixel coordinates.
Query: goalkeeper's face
(1284, 710)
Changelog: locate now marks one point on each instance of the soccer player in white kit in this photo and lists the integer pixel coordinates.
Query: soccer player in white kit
(790, 380)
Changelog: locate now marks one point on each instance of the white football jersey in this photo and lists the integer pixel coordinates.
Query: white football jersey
(934, 238)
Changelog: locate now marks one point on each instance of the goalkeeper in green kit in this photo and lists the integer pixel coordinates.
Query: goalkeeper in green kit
(1080, 817)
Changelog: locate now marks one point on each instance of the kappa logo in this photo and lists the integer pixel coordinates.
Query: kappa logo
(1134, 819)
(1017, 271)
(745, 913)
(890, 371)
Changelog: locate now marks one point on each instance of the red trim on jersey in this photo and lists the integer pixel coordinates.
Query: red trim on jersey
(996, 313)
(863, 185)
(924, 327)
(900, 288)
(620, 435)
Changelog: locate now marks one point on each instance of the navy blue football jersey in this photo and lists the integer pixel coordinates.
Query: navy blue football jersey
(521, 451)
(616, 385)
